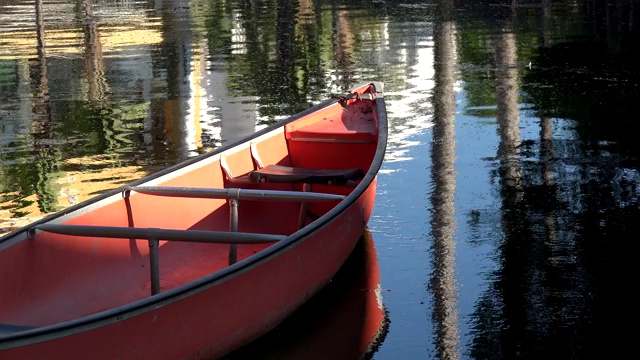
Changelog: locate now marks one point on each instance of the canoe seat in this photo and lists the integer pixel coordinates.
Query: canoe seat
(6, 329)
(286, 174)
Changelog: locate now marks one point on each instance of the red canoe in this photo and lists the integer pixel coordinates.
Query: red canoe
(204, 257)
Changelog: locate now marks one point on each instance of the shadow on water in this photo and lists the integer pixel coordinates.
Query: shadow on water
(345, 320)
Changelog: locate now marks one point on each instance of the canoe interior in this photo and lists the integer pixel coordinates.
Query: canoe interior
(51, 278)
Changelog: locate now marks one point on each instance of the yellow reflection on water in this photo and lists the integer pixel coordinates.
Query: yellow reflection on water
(70, 42)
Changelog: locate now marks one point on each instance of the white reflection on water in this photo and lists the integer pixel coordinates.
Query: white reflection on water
(409, 109)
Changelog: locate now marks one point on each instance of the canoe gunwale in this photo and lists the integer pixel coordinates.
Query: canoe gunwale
(120, 313)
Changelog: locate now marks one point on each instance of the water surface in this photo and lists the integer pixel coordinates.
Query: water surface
(508, 202)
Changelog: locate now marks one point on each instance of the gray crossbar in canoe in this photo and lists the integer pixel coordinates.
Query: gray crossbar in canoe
(203, 236)
(235, 193)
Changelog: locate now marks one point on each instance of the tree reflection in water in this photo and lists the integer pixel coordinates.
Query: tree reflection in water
(45, 151)
(442, 283)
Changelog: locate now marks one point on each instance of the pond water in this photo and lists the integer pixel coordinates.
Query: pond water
(508, 203)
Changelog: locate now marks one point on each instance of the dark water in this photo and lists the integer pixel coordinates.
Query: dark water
(508, 208)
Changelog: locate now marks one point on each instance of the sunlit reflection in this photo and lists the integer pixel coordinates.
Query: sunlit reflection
(121, 28)
(409, 108)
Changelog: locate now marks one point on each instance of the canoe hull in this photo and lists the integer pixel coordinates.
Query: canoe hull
(345, 320)
(256, 300)
(198, 310)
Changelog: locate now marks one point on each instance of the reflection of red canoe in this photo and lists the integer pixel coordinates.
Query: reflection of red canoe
(202, 258)
(346, 320)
